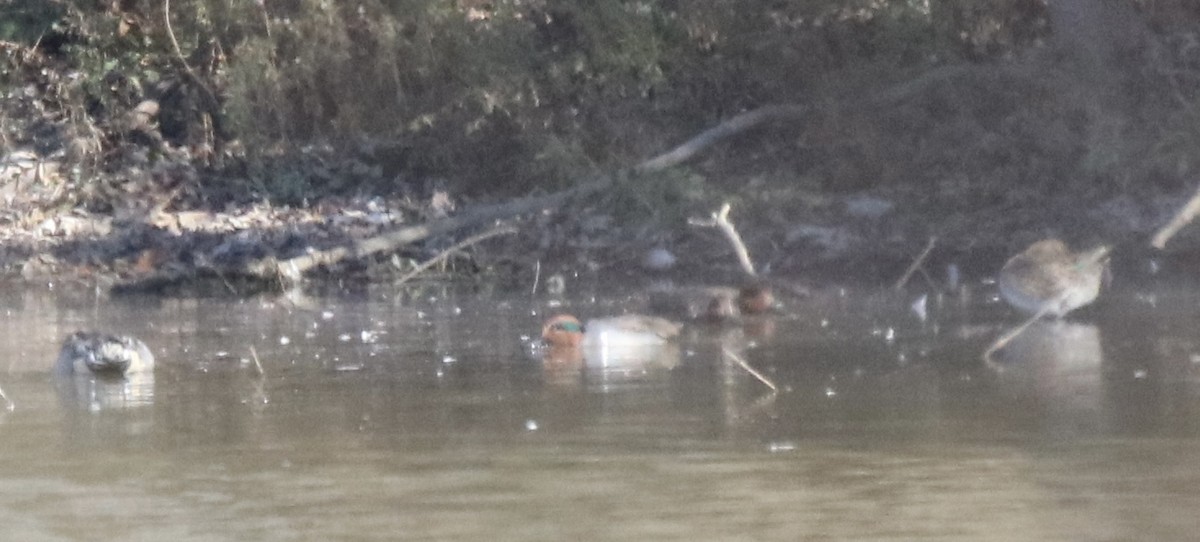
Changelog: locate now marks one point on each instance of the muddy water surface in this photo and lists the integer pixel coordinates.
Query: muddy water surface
(426, 415)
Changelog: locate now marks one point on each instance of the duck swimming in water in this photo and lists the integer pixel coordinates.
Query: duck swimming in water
(103, 354)
(1048, 278)
(626, 340)
(565, 330)
(714, 304)
(756, 299)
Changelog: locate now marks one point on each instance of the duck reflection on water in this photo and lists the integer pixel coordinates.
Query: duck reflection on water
(1055, 368)
(1055, 346)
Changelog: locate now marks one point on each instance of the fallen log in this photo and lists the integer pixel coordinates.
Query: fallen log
(272, 275)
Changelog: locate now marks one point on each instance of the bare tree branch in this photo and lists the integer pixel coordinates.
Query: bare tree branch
(711, 136)
(916, 264)
(503, 230)
(720, 220)
(746, 366)
(1181, 219)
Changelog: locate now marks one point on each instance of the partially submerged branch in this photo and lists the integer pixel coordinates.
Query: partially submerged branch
(258, 368)
(503, 230)
(1181, 219)
(393, 240)
(8, 404)
(270, 274)
(746, 367)
(1003, 340)
(720, 220)
(915, 265)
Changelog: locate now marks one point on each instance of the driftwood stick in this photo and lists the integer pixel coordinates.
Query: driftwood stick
(537, 276)
(720, 220)
(711, 136)
(259, 396)
(915, 265)
(503, 230)
(8, 404)
(746, 366)
(1014, 333)
(1181, 219)
(258, 368)
(276, 274)
(390, 241)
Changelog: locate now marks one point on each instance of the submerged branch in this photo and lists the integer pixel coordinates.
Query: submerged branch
(258, 368)
(746, 366)
(8, 404)
(916, 265)
(1017, 331)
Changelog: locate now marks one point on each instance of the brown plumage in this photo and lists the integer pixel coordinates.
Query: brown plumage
(1047, 277)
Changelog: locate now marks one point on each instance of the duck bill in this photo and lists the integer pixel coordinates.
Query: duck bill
(1099, 255)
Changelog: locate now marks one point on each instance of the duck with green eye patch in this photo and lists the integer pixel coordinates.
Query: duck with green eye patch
(629, 340)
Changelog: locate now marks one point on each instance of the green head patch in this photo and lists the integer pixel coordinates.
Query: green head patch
(569, 327)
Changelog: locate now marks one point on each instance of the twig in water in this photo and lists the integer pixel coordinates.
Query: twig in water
(537, 276)
(1013, 333)
(225, 280)
(503, 230)
(929, 280)
(916, 264)
(260, 398)
(8, 404)
(1181, 219)
(257, 364)
(738, 359)
(720, 219)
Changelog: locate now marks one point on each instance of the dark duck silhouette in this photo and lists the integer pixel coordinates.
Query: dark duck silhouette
(103, 354)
